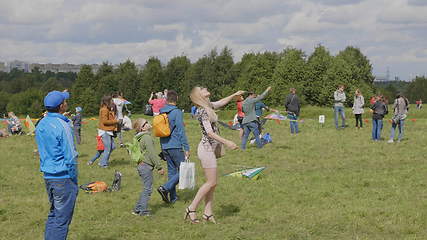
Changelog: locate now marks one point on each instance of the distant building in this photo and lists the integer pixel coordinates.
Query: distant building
(19, 65)
(2, 67)
(56, 68)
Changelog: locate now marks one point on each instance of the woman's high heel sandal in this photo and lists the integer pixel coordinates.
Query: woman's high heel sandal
(187, 216)
(209, 218)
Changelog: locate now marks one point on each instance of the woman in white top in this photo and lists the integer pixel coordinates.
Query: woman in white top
(358, 110)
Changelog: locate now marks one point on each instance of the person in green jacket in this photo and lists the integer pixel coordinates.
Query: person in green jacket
(146, 164)
(250, 121)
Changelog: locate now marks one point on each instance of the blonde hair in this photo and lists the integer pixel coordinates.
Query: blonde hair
(137, 124)
(204, 102)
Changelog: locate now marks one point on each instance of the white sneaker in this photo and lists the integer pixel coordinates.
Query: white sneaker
(390, 141)
(252, 141)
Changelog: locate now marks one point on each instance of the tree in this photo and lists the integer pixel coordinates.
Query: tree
(318, 63)
(291, 71)
(359, 64)
(417, 89)
(152, 80)
(83, 93)
(175, 75)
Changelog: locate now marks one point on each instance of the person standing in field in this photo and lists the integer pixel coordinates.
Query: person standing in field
(145, 165)
(175, 147)
(358, 110)
(157, 103)
(339, 98)
(250, 122)
(209, 149)
(400, 109)
(119, 102)
(379, 110)
(106, 127)
(58, 162)
(293, 107)
(77, 124)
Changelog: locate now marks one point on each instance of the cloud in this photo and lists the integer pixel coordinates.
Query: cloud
(390, 32)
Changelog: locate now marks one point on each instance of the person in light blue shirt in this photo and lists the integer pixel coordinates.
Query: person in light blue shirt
(58, 162)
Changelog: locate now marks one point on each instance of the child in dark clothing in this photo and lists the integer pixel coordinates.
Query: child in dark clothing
(379, 110)
(77, 124)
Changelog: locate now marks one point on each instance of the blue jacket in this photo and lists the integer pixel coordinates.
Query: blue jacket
(177, 139)
(55, 141)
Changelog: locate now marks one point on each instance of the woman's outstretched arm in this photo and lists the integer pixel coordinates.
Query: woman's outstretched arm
(226, 100)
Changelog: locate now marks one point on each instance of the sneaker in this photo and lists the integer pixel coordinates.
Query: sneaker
(136, 213)
(122, 145)
(89, 163)
(145, 214)
(164, 194)
(390, 141)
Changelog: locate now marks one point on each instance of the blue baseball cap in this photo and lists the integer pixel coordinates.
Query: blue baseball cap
(55, 98)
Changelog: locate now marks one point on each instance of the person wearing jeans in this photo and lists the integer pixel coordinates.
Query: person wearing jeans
(250, 122)
(400, 109)
(174, 157)
(58, 162)
(109, 146)
(293, 107)
(379, 110)
(106, 127)
(339, 98)
(175, 147)
(400, 124)
(62, 194)
(247, 129)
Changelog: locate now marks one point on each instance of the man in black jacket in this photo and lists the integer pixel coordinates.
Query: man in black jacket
(293, 106)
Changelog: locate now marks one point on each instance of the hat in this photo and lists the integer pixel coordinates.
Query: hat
(55, 98)
(78, 109)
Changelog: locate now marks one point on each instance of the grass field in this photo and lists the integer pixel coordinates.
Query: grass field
(321, 184)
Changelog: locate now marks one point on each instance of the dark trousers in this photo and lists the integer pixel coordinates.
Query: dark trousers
(358, 120)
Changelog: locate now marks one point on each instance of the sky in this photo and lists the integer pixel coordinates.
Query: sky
(392, 33)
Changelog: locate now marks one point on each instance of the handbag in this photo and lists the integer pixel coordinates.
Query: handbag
(219, 150)
(187, 175)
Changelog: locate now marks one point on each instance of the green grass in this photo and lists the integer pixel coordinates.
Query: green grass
(321, 184)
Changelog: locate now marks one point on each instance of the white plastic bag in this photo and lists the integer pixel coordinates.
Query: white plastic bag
(187, 175)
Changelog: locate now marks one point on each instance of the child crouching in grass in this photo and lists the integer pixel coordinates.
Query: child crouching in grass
(146, 163)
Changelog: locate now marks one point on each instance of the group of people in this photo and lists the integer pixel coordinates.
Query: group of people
(58, 155)
(378, 108)
(14, 126)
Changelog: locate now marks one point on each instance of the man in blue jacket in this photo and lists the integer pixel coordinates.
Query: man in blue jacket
(173, 147)
(58, 162)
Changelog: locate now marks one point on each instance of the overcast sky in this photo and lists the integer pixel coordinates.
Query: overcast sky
(392, 33)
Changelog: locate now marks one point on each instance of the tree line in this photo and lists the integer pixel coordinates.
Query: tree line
(315, 76)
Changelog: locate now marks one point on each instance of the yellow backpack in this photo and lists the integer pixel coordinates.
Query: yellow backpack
(161, 126)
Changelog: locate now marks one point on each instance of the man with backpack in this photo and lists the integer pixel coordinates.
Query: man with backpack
(400, 109)
(175, 148)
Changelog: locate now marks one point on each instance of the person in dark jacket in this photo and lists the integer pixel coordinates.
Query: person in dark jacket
(77, 124)
(293, 106)
(379, 110)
